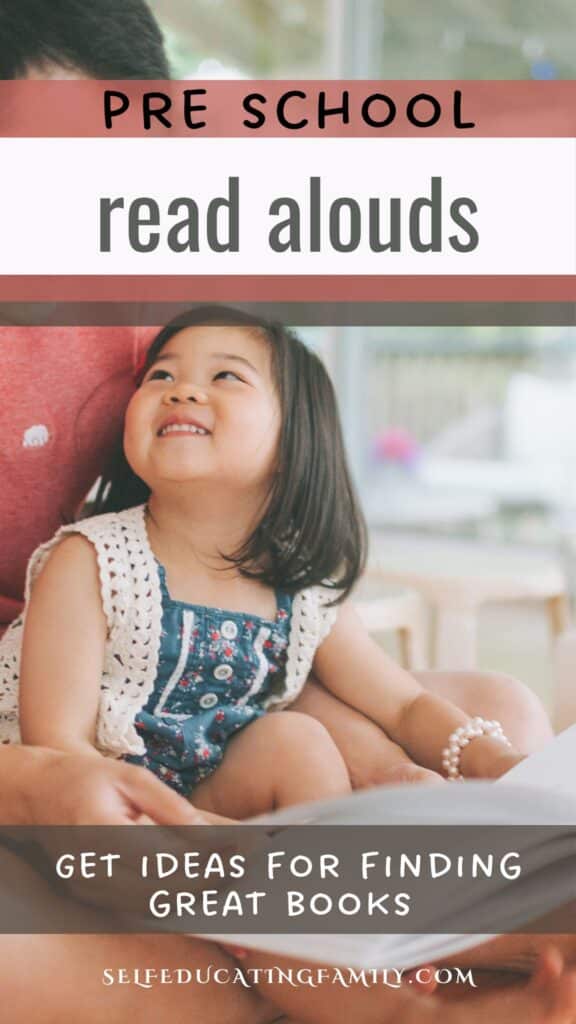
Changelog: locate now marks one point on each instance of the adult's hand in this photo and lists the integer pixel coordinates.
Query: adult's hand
(44, 787)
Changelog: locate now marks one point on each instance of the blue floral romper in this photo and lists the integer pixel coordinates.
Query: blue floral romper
(215, 670)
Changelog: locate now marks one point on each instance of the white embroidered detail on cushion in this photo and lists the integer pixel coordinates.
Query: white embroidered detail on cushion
(36, 436)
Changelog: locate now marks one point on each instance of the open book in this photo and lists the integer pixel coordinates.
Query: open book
(552, 768)
(539, 791)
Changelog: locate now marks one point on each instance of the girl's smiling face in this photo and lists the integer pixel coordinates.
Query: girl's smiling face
(207, 411)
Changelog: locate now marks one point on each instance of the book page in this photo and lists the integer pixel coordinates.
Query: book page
(553, 767)
(546, 884)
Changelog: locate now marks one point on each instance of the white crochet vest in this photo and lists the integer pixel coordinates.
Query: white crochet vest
(132, 603)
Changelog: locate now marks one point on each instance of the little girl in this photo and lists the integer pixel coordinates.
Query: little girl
(213, 579)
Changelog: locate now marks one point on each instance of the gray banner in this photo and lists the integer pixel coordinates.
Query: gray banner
(295, 880)
(303, 314)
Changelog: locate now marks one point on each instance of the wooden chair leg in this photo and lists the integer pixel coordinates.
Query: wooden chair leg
(557, 609)
(405, 647)
(411, 652)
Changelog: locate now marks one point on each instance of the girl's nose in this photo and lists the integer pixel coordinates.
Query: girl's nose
(181, 393)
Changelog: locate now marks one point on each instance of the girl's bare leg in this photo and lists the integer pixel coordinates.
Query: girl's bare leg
(280, 759)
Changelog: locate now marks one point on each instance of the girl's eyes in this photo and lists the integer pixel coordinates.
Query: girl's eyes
(227, 375)
(160, 375)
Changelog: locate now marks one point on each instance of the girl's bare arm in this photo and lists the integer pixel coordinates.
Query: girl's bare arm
(63, 651)
(356, 670)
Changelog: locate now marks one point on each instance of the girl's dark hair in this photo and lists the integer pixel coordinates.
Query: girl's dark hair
(312, 530)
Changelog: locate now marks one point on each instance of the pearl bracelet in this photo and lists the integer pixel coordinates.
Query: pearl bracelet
(461, 737)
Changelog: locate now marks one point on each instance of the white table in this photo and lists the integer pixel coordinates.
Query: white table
(457, 578)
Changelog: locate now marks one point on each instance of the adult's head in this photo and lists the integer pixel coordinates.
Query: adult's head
(80, 39)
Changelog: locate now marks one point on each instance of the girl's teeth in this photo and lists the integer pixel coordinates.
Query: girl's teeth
(182, 428)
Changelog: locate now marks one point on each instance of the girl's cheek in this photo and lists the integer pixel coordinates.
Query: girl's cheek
(131, 445)
(135, 406)
(137, 416)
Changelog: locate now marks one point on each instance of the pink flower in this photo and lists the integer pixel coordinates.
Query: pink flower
(396, 445)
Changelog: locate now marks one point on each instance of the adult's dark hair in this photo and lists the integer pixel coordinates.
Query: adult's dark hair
(312, 529)
(99, 38)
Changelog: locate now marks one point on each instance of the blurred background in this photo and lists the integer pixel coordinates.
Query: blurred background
(369, 38)
(462, 439)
